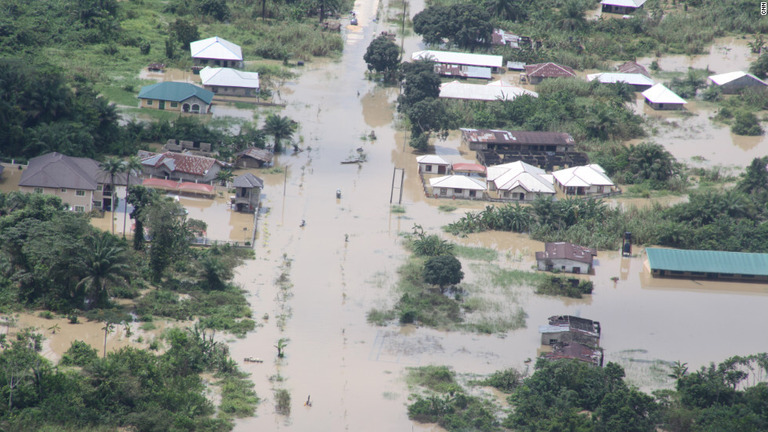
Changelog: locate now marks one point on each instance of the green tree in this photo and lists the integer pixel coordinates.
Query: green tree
(755, 178)
(224, 176)
(185, 31)
(509, 10)
(759, 67)
(112, 166)
(467, 26)
(130, 166)
(443, 271)
(746, 123)
(106, 263)
(421, 82)
(383, 56)
(170, 238)
(649, 161)
(217, 9)
(140, 198)
(280, 128)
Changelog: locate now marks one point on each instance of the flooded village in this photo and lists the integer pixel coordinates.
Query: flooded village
(337, 255)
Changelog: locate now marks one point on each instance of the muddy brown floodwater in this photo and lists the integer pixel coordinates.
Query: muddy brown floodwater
(354, 371)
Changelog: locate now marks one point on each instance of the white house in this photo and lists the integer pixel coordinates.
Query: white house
(622, 7)
(457, 186)
(432, 164)
(565, 257)
(230, 82)
(583, 180)
(519, 181)
(639, 81)
(734, 82)
(496, 90)
(217, 52)
(660, 97)
(464, 65)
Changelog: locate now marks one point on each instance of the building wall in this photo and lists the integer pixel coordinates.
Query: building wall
(702, 275)
(740, 84)
(155, 104)
(433, 168)
(563, 265)
(249, 162)
(232, 91)
(569, 337)
(218, 63)
(663, 107)
(456, 193)
(187, 105)
(624, 10)
(68, 196)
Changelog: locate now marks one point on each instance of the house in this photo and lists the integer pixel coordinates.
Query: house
(576, 351)
(633, 67)
(216, 51)
(433, 164)
(182, 145)
(535, 73)
(253, 157)
(583, 180)
(519, 181)
(180, 166)
(735, 82)
(566, 257)
(491, 139)
(622, 7)
(660, 97)
(181, 188)
(176, 96)
(230, 82)
(462, 65)
(707, 264)
(500, 37)
(638, 81)
(457, 186)
(468, 169)
(248, 189)
(80, 182)
(496, 90)
(567, 329)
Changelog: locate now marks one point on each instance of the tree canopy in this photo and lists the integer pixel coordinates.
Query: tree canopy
(467, 26)
(383, 56)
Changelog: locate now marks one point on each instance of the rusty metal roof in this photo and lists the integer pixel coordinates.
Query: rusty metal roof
(256, 153)
(182, 162)
(562, 323)
(570, 251)
(516, 137)
(549, 70)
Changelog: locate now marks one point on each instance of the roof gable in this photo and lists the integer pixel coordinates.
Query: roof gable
(633, 67)
(432, 160)
(228, 77)
(549, 70)
(661, 94)
(624, 3)
(248, 180)
(729, 77)
(55, 170)
(448, 57)
(215, 48)
(583, 176)
(519, 174)
(175, 92)
(637, 79)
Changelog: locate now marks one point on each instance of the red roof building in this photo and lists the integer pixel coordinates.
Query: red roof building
(537, 72)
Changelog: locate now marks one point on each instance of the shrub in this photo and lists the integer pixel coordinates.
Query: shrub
(746, 123)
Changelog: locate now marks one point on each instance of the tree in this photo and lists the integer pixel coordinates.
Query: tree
(140, 198)
(746, 123)
(112, 166)
(130, 165)
(510, 10)
(755, 178)
(170, 238)
(281, 344)
(224, 176)
(383, 56)
(421, 82)
(465, 25)
(429, 245)
(442, 270)
(759, 67)
(280, 128)
(105, 263)
(185, 31)
(649, 161)
(217, 9)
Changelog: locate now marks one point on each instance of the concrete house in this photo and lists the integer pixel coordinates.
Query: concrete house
(248, 189)
(565, 257)
(433, 164)
(660, 97)
(180, 166)
(457, 186)
(536, 73)
(622, 7)
(706, 264)
(491, 139)
(567, 329)
(493, 91)
(468, 169)
(638, 81)
(176, 96)
(216, 51)
(633, 67)
(735, 82)
(79, 182)
(583, 180)
(253, 158)
(576, 351)
(462, 65)
(519, 181)
(230, 82)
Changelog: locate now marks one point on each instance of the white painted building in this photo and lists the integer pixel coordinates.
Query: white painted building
(457, 186)
(496, 90)
(432, 164)
(583, 180)
(734, 82)
(659, 97)
(519, 181)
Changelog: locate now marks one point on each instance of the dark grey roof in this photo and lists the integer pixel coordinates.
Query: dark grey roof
(248, 180)
(55, 170)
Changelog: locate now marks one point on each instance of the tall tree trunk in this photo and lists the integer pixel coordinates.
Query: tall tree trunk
(125, 213)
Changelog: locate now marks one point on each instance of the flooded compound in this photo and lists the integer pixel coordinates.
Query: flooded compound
(312, 285)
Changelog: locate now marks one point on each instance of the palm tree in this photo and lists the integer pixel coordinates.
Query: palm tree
(105, 263)
(280, 128)
(511, 10)
(131, 164)
(112, 166)
(224, 176)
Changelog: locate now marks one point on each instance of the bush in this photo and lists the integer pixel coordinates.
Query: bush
(568, 287)
(746, 123)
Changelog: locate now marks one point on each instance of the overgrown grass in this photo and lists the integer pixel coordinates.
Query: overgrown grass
(446, 208)
(237, 396)
(475, 253)
(440, 379)
(397, 209)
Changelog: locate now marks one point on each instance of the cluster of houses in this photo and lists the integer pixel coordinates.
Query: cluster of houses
(570, 337)
(218, 62)
(84, 186)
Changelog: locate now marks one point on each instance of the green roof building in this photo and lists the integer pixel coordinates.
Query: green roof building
(176, 96)
(705, 264)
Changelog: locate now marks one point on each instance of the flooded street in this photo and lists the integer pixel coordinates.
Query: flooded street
(354, 371)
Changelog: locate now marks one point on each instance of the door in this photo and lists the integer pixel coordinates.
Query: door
(162, 105)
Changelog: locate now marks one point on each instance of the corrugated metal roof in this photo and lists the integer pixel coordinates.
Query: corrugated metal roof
(248, 180)
(518, 173)
(182, 162)
(228, 77)
(732, 76)
(549, 70)
(457, 182)
(448, 57)
(431, 159)
(215, 48)
(707, 261)
(497, 90)
(624, 3)
(616, 77)
(583, 176)
(633, 67)
(516, 137)
(55, 170)
(175, 92)
(564, 250)
(661, 94)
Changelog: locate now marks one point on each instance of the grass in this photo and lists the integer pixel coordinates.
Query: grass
(475, 253)
(440, 379)
(237, 396)
(283, 402)
(397, 209)
(446, 208)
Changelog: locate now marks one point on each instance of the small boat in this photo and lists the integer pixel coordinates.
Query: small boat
(253, 360)
(338, 193)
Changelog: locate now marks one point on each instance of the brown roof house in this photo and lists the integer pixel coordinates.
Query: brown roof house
(535, 73)
(633, 67)
(247, 192)
(566, 257)
(490, 139)
(80, 182)
(576, 351)
(180, 166)
(567, 329)
(253, 157)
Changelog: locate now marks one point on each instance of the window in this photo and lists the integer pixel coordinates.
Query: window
(97, 204)
(80, 193)
(79, 209)
(443, 192)
(100, 188)
(149, 101)
(428, 168)
(38, 190)
(174, 104)
(471, 194)
(63, 190)
(458, 191)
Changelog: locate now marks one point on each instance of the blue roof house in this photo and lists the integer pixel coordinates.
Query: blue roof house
(176, 96)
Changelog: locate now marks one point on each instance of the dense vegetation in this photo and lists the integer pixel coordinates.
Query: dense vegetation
(732, 220)
(571, 395)
(128, 389)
